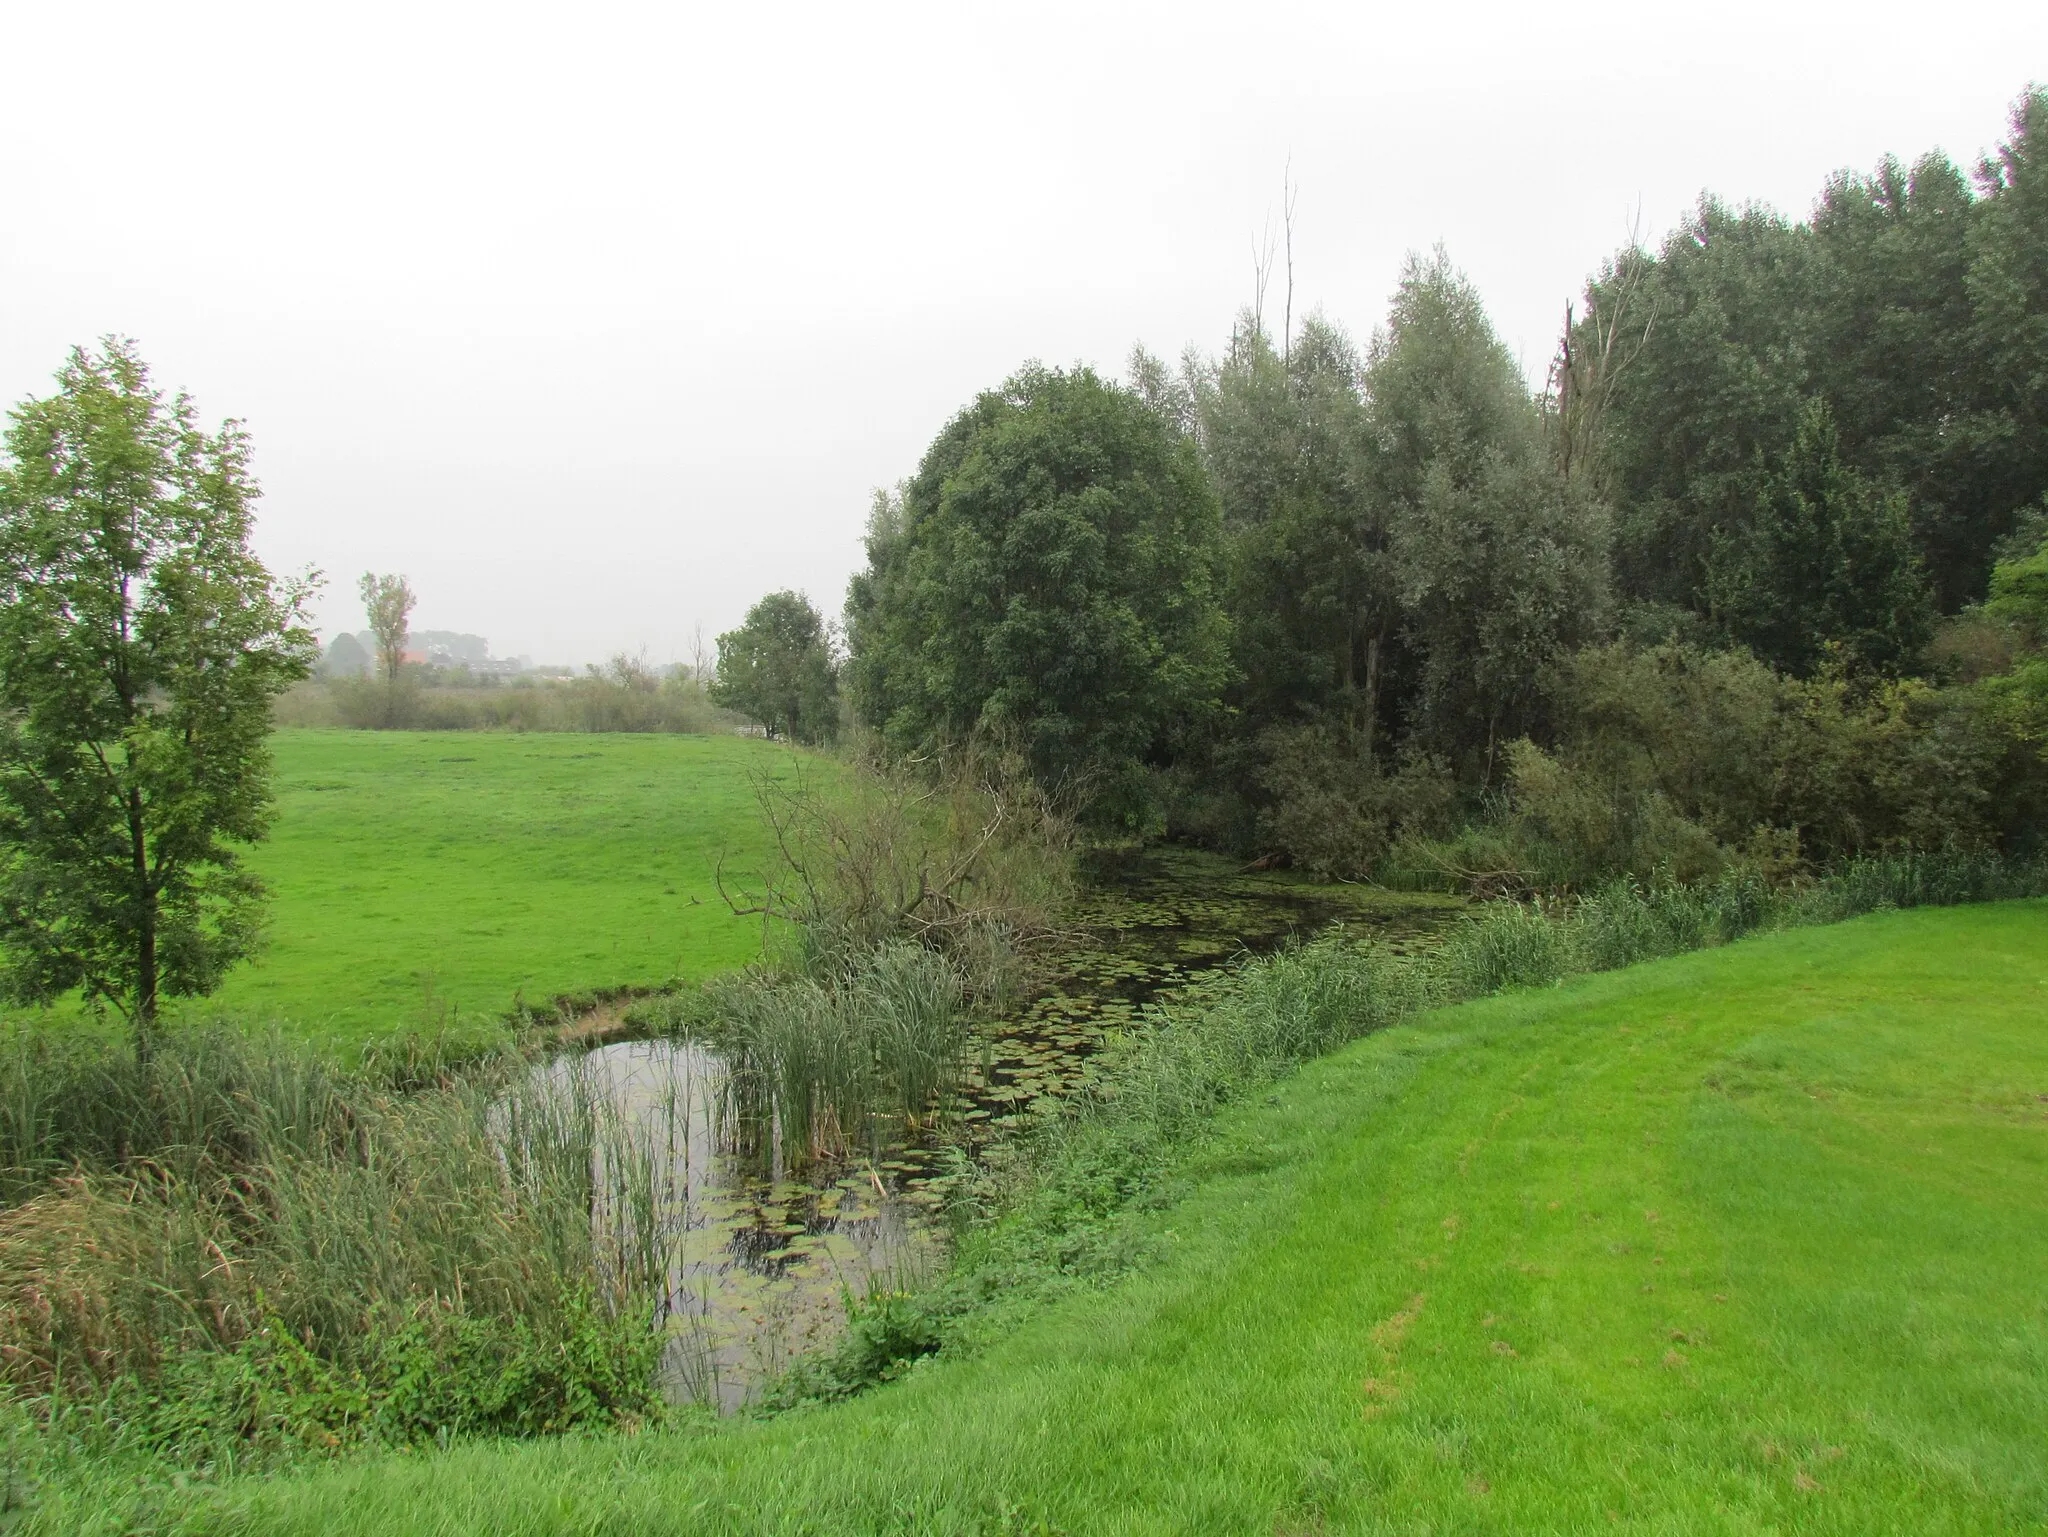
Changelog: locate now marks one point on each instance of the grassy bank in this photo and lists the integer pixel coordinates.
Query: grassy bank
(1745, 1240)
(420, 878)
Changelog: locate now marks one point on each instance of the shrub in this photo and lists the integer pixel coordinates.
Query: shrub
(1335, 812)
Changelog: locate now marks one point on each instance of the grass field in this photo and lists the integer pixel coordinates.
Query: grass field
(419, 878)
(1747, 1241)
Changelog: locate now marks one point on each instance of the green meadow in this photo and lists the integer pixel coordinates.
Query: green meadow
(425, 879)
(1747, 1241)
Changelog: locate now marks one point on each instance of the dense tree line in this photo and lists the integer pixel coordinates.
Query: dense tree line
(1911, 309)
(1720, 585)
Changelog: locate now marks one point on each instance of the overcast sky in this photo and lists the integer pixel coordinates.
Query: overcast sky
(598, 321)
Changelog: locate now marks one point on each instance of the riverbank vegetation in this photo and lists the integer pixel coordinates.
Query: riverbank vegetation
(1714, 597)
(1533, 1262)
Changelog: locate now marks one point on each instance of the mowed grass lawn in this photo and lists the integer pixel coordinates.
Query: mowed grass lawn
(421, 878)
(1750, 1241)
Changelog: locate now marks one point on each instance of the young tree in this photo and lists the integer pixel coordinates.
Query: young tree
(776, 669)
(141, 644)
(388, 601)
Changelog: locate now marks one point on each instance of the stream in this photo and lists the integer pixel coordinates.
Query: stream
(760, 1269)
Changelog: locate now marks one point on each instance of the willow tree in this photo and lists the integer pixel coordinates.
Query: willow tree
(141, 645)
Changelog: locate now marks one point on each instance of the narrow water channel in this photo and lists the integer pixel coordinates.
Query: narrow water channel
(761, 1268)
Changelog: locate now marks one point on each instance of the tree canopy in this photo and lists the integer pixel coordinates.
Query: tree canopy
(1914, 303)
(777, 670)
(1048, 576)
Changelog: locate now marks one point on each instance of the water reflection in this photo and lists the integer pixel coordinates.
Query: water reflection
(758, 1269)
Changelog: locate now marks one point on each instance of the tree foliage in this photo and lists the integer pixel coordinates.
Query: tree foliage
(1049, 578)
(1912, 302)
(141, 643)
(388, 602)
(1823, 565)
(777, 670)
(1787, 453)
(1502, 562)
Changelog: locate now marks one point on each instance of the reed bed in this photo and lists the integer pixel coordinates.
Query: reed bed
(306, 1254)
(816, 1068)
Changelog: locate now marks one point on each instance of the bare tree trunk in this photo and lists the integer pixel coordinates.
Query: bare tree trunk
(1287, 225)
(1372, 687)
(145, 950)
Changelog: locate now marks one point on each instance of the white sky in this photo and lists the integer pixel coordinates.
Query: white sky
(601, 320)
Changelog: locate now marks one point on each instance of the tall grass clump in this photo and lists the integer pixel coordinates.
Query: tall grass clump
(902, 900)
(817, 1067)
(238, 1249)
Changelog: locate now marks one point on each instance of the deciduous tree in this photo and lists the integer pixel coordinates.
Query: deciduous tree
(1049, 576)
(777, 670)
(388, 601)
(141, 645)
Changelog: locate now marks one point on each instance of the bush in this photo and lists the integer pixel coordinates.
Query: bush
(1335, 812)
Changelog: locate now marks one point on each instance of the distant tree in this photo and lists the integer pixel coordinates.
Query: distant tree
(346, 658)
(1823, 560)
(141, 645)
(777, 670)
(388, 602)
(1048, 576)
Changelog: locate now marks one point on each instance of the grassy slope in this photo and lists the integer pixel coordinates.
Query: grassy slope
(1748, 1241)
(482, 864)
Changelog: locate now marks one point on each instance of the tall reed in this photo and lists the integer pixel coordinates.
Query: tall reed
(234, 1193)
(816, 1068)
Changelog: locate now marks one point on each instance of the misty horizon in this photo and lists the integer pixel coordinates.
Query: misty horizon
(599, 327)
